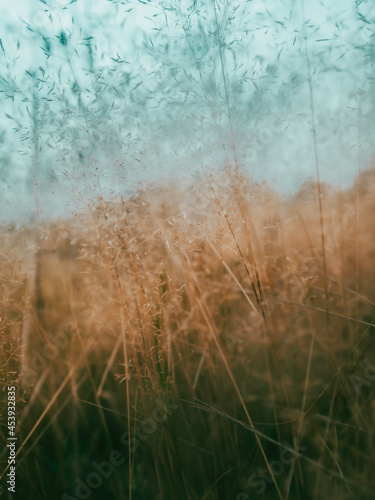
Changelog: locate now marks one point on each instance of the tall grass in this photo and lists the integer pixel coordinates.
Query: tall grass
(165, 269)
(213, 334)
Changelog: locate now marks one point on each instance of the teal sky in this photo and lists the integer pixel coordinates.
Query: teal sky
(154, 100)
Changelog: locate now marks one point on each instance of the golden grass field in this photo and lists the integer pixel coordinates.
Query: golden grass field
(215, 303)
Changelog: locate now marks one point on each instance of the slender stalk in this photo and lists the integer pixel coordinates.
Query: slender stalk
(316, 157)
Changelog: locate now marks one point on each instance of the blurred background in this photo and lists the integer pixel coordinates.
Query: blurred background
(100, 97)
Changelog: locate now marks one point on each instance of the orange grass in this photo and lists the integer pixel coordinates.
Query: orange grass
(214, 296)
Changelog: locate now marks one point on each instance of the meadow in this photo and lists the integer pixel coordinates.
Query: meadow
(206, 340)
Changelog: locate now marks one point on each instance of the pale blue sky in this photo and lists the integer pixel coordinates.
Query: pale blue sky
(161, 138)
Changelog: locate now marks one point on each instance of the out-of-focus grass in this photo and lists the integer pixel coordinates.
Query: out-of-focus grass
(211, 295)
